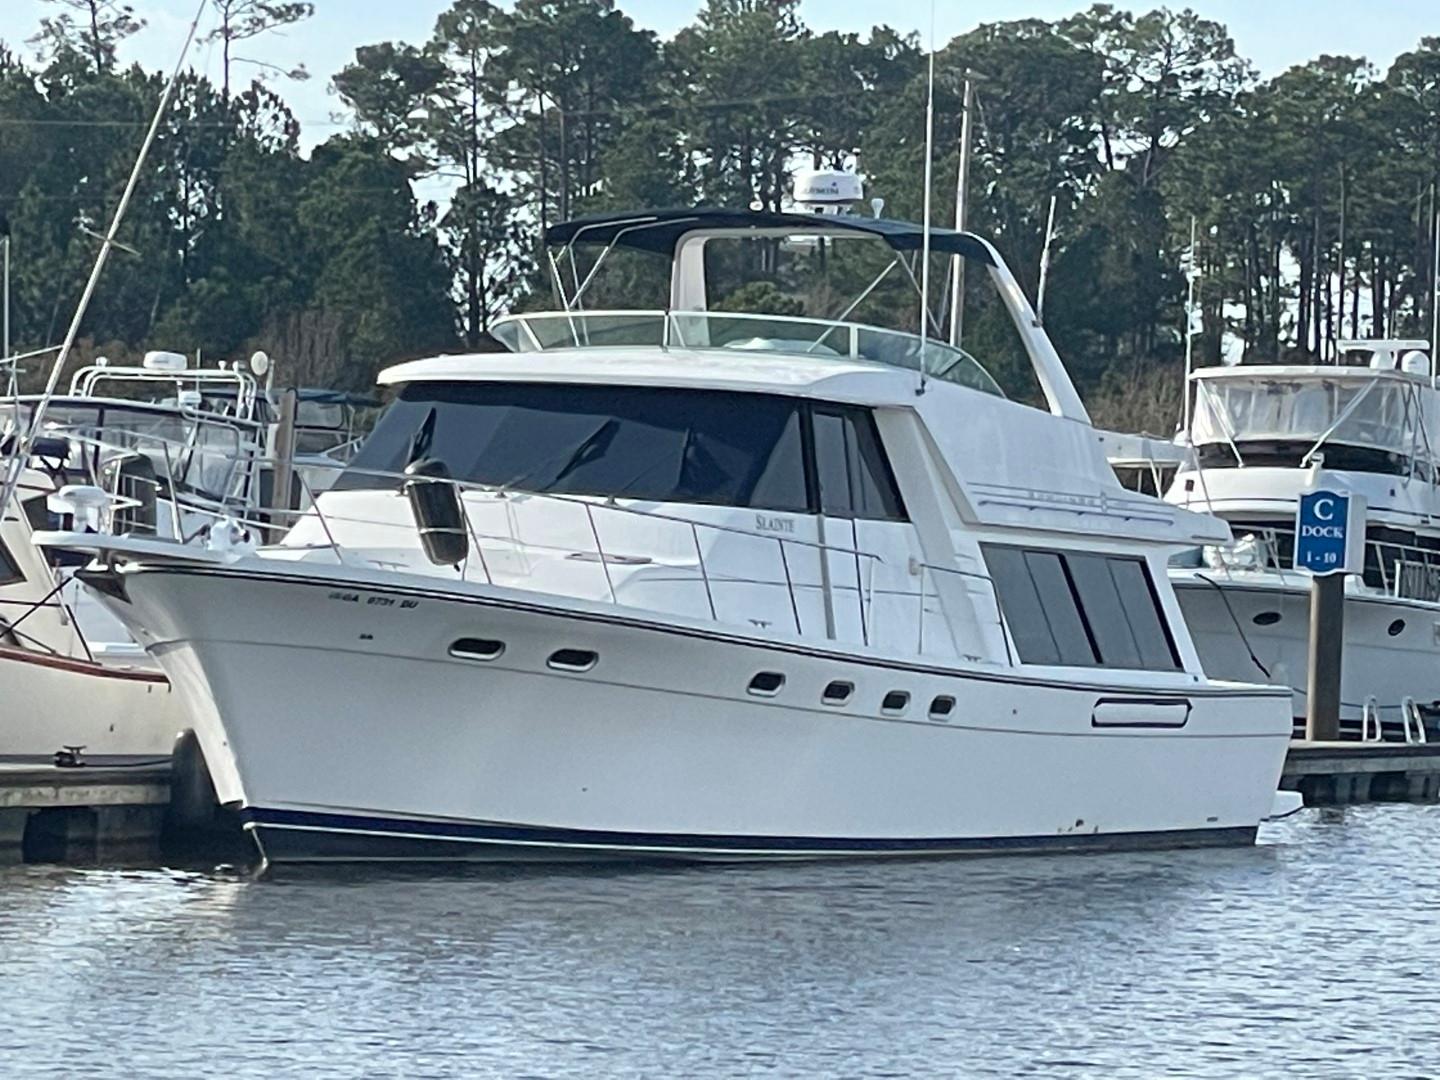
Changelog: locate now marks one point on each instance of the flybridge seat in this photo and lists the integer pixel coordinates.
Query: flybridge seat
(818, 339)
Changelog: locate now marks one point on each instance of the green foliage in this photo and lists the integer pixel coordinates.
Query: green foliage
(1311, 192)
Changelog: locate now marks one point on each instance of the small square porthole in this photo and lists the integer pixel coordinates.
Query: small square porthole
(895, 703)
(837, 693)
(942, 707)
(766, 683)
(572, 660)
(469, 648)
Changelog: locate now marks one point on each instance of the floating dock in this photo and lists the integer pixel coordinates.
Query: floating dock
(111, 810)
(115, 810)
(1347, 772)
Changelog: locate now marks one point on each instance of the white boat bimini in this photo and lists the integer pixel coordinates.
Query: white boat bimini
(689, 583)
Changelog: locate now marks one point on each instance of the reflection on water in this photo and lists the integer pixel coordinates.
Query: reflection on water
(1317, 953)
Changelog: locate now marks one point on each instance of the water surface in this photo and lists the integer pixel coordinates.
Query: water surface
(1314, 954)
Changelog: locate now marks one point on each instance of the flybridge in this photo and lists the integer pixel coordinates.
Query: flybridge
(683, 235)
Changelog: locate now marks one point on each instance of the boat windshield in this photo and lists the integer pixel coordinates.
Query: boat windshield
(820, 339)
(1378, 414)
(201, 456)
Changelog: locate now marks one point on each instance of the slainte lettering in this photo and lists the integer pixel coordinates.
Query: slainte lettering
(766, 523)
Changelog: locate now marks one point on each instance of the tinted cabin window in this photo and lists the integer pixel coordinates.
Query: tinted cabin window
(9, 572)
(1080, 609)
(658, 444)
(854, 478)
(1020, 601)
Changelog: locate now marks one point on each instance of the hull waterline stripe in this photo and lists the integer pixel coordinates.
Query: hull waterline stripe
(269, 821)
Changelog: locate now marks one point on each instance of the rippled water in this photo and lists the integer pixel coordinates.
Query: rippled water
(1315, 954)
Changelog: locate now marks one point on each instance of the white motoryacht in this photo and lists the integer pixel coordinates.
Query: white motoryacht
(700, 584)
(1260, 435)
(161, 449)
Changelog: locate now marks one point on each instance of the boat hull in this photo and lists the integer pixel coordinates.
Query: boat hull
(48, 702)
(342, 720)
(1392, 646)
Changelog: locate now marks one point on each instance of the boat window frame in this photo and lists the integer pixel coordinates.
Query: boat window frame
(1079, 609)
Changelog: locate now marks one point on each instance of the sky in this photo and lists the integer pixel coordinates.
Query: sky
(1272, 34)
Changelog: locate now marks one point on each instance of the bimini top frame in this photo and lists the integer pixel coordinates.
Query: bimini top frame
(682, 233)
(662, 230)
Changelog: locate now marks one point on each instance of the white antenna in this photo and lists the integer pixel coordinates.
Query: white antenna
(925, 222)
(1434, 288)
(22, 446)
(962, 187)
(1192, 273)
(1045, 264)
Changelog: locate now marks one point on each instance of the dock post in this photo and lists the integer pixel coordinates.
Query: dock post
(283, 462)
(1327, 639)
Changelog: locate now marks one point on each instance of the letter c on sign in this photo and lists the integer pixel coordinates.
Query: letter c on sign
(1325, 509)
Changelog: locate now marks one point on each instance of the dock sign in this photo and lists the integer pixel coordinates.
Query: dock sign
(1330, 533)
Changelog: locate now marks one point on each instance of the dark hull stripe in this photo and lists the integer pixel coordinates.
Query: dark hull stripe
(304, 836)
(636, 623)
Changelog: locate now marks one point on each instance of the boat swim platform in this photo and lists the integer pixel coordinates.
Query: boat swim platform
(1347, 772)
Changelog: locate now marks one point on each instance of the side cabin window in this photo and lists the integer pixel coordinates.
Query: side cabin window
(660, 444)
(627, 442)
(852, 474)
(1081, 609)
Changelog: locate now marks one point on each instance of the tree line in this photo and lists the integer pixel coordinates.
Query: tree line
(1312, 193)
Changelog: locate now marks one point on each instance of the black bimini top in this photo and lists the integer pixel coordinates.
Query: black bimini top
(661, 230)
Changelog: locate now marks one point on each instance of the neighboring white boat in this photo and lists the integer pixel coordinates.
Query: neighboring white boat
(163, 450)
(1263, 434)
(707, 585)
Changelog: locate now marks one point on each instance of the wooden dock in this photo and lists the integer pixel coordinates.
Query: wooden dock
(1347, 772)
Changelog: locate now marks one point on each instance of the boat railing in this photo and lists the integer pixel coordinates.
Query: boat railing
(1395, 569)
(859, 584)
(791, 335)
(231, 381)
(170, 483)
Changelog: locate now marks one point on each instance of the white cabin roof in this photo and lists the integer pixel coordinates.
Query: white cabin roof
(841, 379)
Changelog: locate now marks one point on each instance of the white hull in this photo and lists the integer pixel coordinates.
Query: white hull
(1392, 646)
(347, 730)
(50, 702)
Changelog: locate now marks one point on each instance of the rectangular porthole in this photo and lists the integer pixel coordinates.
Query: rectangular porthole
(837, 693)
(895, 703)
(766, 683)
(942, 707)
(572, 660)
(469, 648)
